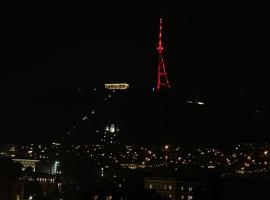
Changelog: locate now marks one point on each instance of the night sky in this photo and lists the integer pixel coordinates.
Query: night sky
(215, 52)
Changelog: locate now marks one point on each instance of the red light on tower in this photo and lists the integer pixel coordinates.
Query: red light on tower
(162, 79)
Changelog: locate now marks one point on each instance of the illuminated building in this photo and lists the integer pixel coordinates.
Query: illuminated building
(55, 167)
(27, 163)
(188, 185)
(133, 166)
(49, 183)
(116, 86)
(110, 135)
(172, 188)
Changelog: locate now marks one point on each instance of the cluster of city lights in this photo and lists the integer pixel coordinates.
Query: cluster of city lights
(245, 159)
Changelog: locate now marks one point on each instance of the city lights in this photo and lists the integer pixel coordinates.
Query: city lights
(118, 103)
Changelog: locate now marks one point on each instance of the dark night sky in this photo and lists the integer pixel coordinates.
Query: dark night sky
(51, 50)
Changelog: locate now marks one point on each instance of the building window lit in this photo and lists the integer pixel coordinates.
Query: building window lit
(182, 197)
(165, 187)
(150, 186)
(190, 189)
(170, 187)
(55, 167)
(116, 86)
(182, 188)
(170, 195)
(190, 197)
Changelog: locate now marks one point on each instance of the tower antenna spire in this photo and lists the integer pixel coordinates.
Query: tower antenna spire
(162, 79)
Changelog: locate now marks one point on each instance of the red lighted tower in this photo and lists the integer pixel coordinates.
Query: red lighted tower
(162, 79)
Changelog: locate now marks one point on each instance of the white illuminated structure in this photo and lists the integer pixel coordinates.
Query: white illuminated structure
(133, 166)
(112, 129)
(110, 134)
(27, 163)
(196, 102)
(55, 167)
(116, 86)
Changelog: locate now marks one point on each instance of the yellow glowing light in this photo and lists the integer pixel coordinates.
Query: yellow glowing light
(246, 164)
(116, 86)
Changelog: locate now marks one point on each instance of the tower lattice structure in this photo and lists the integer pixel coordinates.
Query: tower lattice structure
(162, 79)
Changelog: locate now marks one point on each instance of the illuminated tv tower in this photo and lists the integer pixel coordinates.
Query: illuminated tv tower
(162, 79)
